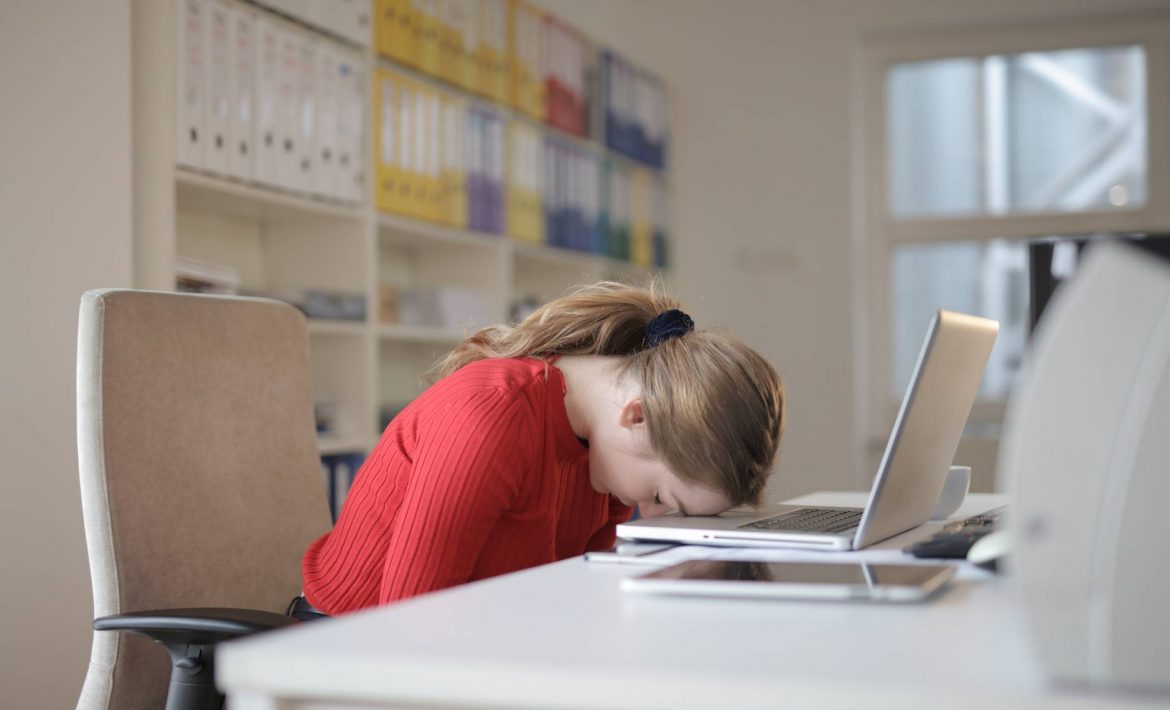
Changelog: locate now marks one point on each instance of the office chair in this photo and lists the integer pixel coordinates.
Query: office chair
(201, 484)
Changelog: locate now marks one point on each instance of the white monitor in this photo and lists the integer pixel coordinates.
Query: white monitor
(1086, 457)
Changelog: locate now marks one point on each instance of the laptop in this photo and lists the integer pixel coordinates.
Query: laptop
(908, 482)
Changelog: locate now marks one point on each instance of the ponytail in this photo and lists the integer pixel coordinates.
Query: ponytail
(604, 318)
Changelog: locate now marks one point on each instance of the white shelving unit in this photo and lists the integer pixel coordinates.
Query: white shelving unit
(419, 334)
(280, 240)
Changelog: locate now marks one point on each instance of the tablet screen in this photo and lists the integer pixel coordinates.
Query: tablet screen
(800, 572)
(794, 579)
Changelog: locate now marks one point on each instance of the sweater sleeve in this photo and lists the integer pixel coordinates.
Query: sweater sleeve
(606, 537)
(469, 464)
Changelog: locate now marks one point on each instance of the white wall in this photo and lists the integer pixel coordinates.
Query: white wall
(761, 178)
(65, 212)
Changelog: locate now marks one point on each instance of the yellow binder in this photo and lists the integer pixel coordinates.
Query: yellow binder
(641, 227)
(394, 30)
(387, 171)
(469, 37)
(426, 32)
(493, 48)
(526, 84)
(451, 39)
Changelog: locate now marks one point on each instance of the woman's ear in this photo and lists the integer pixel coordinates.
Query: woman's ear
(631, 413)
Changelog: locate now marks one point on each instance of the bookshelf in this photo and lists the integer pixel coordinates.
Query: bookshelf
(281, 240)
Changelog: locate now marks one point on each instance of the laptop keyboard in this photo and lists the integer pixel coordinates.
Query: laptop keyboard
(823, 520)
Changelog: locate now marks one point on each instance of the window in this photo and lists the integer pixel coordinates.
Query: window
(975, 146)
(1036, 132)
(987, 278)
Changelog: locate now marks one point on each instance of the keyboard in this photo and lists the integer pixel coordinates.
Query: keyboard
(954, 540)
(821, 520)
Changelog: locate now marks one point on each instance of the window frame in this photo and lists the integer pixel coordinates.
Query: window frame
(877, 232)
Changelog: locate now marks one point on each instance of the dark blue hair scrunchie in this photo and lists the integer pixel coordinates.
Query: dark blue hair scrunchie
(667, 325)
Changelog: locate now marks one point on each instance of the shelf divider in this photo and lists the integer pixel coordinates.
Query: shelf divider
(220, 194)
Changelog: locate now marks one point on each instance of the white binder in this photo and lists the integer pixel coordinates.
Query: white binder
(192, 16)
(326, 180)
(244, 58)
(356, 21)
(352, 141)
(217, 86)
(452, 137)
(306, 119)
(348, 19)
(288, 83)
(268, 146)
(349, 125)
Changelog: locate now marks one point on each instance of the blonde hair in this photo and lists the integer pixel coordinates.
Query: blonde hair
(714, 408)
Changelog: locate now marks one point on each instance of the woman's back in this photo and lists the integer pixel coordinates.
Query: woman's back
(480, 475)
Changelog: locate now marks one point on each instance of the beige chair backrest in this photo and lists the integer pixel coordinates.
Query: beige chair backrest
(200, 478)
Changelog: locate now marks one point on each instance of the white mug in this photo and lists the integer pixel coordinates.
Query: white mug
(954, 491)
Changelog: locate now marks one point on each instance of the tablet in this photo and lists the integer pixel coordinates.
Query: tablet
(630, 553)
(794, 580)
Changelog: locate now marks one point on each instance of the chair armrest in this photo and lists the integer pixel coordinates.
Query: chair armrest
(190, 636)
(193, 626)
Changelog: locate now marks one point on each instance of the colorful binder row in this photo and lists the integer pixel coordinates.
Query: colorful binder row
(603, 206)
(463, 42)
(262, 100)
(512, 52)
(437, 156)
(461, 163)
(634, 110)
(635, 214)
(572, 197)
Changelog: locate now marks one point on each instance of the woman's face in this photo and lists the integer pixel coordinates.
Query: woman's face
(623, 464)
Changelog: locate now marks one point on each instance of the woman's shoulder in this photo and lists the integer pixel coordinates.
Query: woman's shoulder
(507, 374)
(488, 389)
(496, 380)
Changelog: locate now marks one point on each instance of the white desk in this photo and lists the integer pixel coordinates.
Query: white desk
(565, 636)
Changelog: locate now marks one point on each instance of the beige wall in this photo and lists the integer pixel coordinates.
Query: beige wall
(761, 184)
(65, 211)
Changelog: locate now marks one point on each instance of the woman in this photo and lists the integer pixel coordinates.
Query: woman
(538, 439)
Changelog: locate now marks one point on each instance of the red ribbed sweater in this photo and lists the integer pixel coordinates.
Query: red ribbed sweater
(480, 475)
